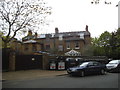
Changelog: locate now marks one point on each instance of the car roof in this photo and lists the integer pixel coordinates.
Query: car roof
(91, 62)
(114, 61)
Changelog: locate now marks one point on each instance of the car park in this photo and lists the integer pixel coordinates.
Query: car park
(86, 68)
(113, 66)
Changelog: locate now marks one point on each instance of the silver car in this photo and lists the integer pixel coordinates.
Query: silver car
(113, 66)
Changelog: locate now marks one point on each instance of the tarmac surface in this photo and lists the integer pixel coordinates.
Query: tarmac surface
(30, 74)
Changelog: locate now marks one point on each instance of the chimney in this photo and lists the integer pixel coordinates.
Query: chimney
(29, 33)
(36, 34)
(86, 28)
(56, 31)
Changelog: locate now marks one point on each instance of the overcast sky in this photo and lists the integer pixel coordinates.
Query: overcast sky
(74, 15)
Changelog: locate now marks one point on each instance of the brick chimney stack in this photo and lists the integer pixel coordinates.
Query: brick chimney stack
(29, 33)
(56, 30)
(86, 28)
(36, 34)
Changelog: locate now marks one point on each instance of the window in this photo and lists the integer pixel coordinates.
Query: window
(47, 47)
(26, 47)
(60, 37)
(77, 45)
(96, 64)
(90, 64)
(34, 48)
(47, 40)
(82, 36)
(68, 45)
(60, 47)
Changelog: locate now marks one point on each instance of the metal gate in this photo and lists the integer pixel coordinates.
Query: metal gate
(25, 62)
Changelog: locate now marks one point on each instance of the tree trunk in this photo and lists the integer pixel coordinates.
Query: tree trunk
(5, 44)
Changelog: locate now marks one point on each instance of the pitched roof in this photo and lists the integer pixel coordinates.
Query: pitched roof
(72, 53)
(30, 41)
(64, 34)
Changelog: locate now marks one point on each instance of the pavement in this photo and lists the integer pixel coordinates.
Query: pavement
(30, 74)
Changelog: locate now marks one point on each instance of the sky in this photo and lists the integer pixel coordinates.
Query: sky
(74, 15)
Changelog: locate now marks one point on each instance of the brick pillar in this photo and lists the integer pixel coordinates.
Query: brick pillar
(45, 62)
(12, 61)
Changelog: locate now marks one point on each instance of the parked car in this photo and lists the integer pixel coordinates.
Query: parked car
(113, 66)
(71, 62)
(87, 68)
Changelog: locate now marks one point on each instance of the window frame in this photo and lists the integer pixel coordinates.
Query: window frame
(77, 46)
(68, 45)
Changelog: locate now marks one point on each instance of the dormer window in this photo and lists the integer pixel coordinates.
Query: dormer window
(60, 37)
(81, 35)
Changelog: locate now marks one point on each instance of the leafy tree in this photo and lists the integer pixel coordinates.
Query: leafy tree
(115, 44)
(102, 44)
(94, 41)
(18, 16)
(108, 44)
(97, 49)
(1, 40)
(88, 50)
(104, 39)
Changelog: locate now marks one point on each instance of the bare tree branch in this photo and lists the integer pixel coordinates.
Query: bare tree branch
(21, 27)
(15, 16)
(4, 17)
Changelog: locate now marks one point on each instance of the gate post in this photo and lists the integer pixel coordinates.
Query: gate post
(12, 61)
(45, 62)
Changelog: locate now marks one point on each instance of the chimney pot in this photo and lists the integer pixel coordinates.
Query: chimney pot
(86, 28)
(29, 33)
(56, 31)
(36, 34)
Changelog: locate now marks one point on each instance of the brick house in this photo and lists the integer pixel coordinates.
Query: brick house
(56, 43)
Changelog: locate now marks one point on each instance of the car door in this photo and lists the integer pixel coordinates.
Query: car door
(90, 68)
(97, 67)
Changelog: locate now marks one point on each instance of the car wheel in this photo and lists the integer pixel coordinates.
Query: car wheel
(82, 73)
(102, 71)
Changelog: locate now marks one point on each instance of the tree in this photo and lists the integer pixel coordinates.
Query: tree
(88, 50)
(108, 44)
(97, 49)
(18, 16)
(115, 44)
(102, 44)
(105, 42)
(0, 40)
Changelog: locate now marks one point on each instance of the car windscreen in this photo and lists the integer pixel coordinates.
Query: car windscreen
(84, 64)
(114, 62)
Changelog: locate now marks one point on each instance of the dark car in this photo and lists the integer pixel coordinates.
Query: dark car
(113, 66)
(87, 68)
